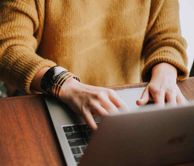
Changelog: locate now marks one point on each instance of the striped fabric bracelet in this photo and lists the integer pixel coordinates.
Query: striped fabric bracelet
(53, 80)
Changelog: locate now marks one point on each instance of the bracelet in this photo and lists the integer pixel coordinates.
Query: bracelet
(53, 80)
(58, 84)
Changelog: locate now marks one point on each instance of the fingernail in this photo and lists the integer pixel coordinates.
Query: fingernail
(138, 102)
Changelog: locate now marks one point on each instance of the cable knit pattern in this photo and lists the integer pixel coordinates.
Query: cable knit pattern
(104, 43)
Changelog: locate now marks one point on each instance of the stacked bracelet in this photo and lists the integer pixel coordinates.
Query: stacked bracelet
(59, 82)
(54, 78)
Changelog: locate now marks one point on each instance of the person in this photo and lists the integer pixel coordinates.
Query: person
(103, 43)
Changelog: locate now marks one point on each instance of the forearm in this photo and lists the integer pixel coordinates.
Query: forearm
(165, 43)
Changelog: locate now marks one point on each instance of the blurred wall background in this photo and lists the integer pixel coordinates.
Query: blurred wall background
(187, 26)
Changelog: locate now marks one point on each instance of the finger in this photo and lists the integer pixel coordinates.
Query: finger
(158, 95)
(171, 97)
(106, 103)
(117, 101)
(180, 99)
(109, 106)
(98, 109)
(144, 97)
(90, 120)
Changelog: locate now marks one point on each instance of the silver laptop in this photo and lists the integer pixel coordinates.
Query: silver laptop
(145, 136)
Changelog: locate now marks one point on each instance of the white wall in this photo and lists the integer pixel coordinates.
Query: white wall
(187, 26)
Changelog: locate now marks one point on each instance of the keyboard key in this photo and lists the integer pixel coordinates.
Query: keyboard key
(76, 128)
(77, 142)
(84, 128)
(78, 137)
(67, 129)
(84, 134)
(73, 135)
(76, 150)
(77, 157)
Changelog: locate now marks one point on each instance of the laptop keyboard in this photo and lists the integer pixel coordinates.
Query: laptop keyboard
(78, 137)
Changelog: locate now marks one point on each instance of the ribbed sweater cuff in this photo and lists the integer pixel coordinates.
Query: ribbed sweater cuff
(32, 69)
(28, 69)
(22, 66)
(168, 57)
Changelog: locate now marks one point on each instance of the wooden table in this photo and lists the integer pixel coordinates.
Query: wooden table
(27, 136)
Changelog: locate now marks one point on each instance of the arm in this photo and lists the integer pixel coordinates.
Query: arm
(23, 68)
(164, 54)
(19, 22)
(163, 40)
(84, 99)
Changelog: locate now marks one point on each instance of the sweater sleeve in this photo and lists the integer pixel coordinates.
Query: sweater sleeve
(163, 40)
(18, 59)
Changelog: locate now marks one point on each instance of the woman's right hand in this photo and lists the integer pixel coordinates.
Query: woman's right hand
(85, 99)
(90, 100)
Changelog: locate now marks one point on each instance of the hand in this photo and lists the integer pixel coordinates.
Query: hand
(89, 100)
(162, 87)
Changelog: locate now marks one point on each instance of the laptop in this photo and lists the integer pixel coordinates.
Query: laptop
(148, 135)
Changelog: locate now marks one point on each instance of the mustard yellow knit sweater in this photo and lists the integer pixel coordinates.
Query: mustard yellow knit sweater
(104, 42)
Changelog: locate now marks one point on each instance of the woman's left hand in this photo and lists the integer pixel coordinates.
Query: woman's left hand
(162, 87)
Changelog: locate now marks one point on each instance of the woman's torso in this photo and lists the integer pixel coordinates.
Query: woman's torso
(100, 41)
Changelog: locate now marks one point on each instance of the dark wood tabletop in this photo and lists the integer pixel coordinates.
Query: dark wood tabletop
(27, 136)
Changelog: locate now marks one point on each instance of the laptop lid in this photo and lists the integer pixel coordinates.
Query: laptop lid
(150, 136)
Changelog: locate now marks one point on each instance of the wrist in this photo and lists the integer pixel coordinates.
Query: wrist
(164, 70)
(71, 86)
(53, 80)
